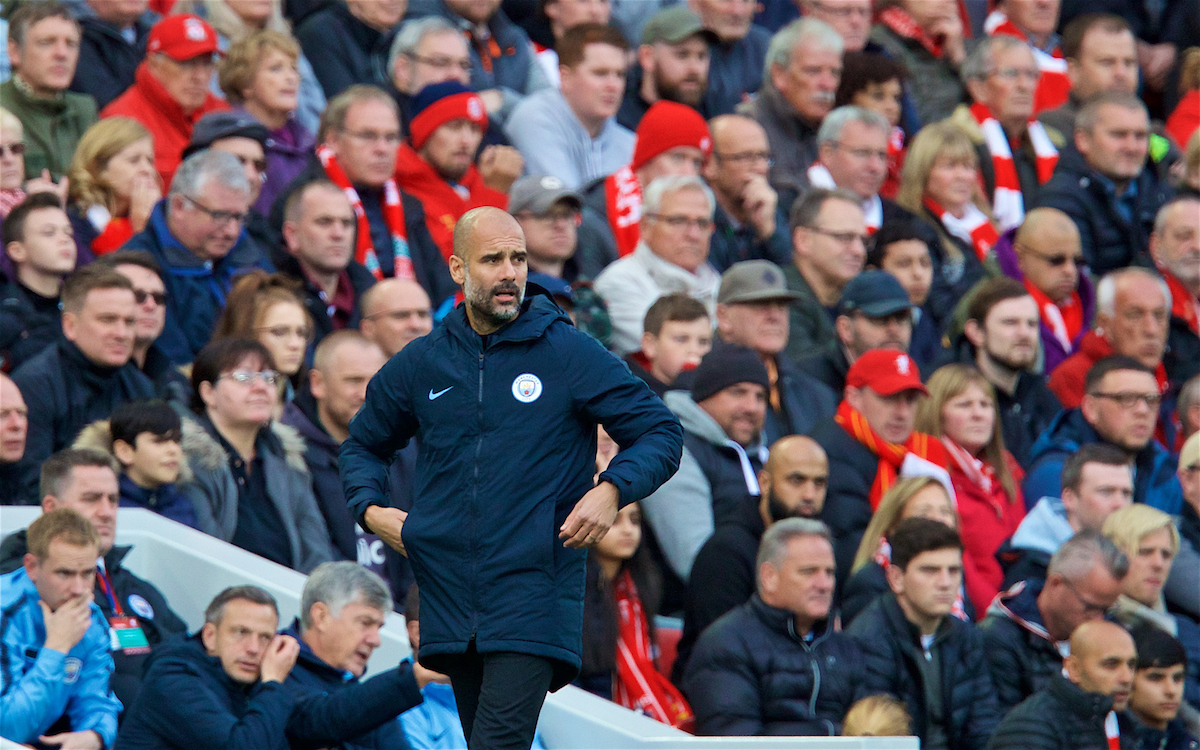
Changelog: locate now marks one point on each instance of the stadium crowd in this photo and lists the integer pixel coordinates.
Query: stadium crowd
(919, 280)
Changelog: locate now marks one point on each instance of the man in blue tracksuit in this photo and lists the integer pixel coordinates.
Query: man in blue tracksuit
(55, 663)
(505, 397)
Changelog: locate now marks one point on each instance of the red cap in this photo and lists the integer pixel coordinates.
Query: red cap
(668, 125)
(885, 371)
(182, 37)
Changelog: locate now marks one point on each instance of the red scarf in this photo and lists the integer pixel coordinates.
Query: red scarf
(638, 685)
(975, 228)
(1053, 87)
(891, 456)
(1008, 204)
(1065, 321)
(883, 558)
(1112, 731)
(819, 176)
(1184, 304)
(903, 25)
(116, 233)
(393, 216)
(623, 205)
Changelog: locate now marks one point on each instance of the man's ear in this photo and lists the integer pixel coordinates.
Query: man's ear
(1089, 408)
(895, 579)
(401, 73)
(318, 613)
(777, 77)
(208, 636)
(16, 252)
(316, 384)
(645, 58)
(845, 329)
(974, 332)
(768, 576)
(649, 345)
(291, 237)
(70, 325)
(14, 55)
(124, 452)
(30, 562)
(458, 269)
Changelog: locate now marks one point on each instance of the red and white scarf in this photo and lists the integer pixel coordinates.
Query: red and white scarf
(1065, 321)
(1112, 731)
(903, 25)
(819, 176)
(639, 686)
(883, 557)
(623, 205)
(1008, 205)
(1054, 87)
(393, 216)
(974, 227)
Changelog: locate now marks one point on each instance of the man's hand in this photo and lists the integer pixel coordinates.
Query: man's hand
(500, 166)
(280, 658)
(46, 184)
(66, 626)
(1156, 61)
(386, 523)
(949, 31)
(88, 740)
(591, 518)
(760, 200)
(425, 676)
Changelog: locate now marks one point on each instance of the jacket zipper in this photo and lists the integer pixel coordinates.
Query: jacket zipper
(475, 504)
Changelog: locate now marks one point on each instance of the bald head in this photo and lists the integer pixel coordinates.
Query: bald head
(1048, 252)
(489, 262)
(482, 222)
(1103, 660)
(794, 479)
(1045, 222)
(394, 312)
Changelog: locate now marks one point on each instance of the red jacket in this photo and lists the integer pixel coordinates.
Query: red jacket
(1066, 381)
(443, 204)
(1185, 119)
(986, 520)
(149, 103)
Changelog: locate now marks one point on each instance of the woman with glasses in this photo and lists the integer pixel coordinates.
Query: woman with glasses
(251, 486)
(113, 185)
(268, 308)
(961, 410)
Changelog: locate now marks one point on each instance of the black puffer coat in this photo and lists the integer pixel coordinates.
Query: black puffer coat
(1059, 717)
(1022, 655)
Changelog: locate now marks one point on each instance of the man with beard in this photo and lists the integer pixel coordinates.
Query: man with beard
(506, 396)
(672, 65)
(793, 486)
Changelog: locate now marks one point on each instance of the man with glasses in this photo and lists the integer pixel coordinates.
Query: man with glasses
(196, 235)
(171, 92)
(1028, 629)
(671, 256)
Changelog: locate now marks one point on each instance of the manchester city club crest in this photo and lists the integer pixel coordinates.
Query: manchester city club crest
(527, 388)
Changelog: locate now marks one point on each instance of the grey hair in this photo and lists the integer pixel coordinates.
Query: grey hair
(207, 166)
(337, 584)
(412, 33)
(1089, 116)
(817, 34)
(982, 61)
(837, 120)
(657, 190)
(1079, 554)
(1160, 219)
(1106, 290)
(775, 541)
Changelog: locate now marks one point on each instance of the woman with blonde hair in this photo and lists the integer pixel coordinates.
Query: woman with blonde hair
(940, 184)
(961, 411)
(268, 308)
(1149, 539)
(114, 185)
(911, 497)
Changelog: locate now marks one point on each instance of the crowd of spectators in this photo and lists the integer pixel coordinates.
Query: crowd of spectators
(919, 279)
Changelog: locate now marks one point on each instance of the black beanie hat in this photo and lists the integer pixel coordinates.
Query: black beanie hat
(726, 365)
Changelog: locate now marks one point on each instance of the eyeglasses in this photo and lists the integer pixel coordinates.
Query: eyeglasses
(12, 149)
(1128, 400)
(441, 63)
(862, 153)
(283, 332)
(248, 377)
(747, 157)
(1056, 260)
(842, 238)
(1011, 74)
(220, 217)
(675, 221)
(391, 138)
(1088, 606)
(141, 295)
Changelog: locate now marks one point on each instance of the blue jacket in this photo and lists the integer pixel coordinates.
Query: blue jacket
(434, 725)
(1022, 655)
(343, 50)
(1154, 480)
(38, 685)
(507, 425)
(196, 288)
(736, 70)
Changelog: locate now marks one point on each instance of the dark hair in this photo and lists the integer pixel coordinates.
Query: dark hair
(808, 206)
(86, 280)
(139, 258)
(1092, 453)
(57, 469)
(1109, 364)
(573, 45)
(991, 293)
(220, 355)
(600, 606)
(669, 308)
(14, 223)
(1156, 648)
(27, 14)
(292, 206)
(132, 418)
(215, 610)
(412, 604)
(861, 69)
(890, 234)
(1078, 28)
(915, 536)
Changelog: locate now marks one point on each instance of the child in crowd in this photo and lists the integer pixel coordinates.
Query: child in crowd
(875, 82)
(1157, 695)
(900, 250)
(677, 333)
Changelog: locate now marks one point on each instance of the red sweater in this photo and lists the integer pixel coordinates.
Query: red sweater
(149, 103)
(443, 204)
(986, 520)
(1185, 119)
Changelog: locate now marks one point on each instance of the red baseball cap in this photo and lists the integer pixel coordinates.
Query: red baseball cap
(182, 37)
(887, 372)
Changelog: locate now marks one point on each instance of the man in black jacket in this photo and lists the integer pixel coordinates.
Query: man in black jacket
(916, 651)
(776, 664)
(1080, 710)
(38, 241)
(113, 44)
(86, 481)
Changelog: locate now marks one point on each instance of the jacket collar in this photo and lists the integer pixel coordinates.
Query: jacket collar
(178, 256)
(783, 621)
(27, 100)
(313, 663)
(1019, 604)
(1092, 707)
(156, 95)
(538, 312)
(894, 615)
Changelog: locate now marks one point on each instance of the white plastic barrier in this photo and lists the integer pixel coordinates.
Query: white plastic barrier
(190, 568)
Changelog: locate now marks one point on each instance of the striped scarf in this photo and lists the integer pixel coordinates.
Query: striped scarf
(1008, 204)
(891, 455)
(639, 686)
(1054, 87)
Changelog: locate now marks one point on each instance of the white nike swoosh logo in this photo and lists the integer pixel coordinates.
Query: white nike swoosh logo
(433, 395)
